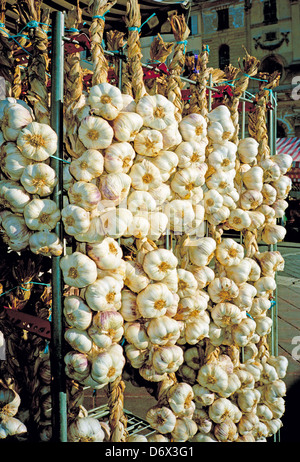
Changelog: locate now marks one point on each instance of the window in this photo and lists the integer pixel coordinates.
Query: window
(270, 12)
(193, 24)
(270, 36)
(224, 56)
(223, 19)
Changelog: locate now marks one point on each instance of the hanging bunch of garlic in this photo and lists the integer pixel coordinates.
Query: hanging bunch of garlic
(10, 425)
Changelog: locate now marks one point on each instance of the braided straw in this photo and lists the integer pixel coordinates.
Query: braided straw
(73, 88)
(117, 418)
(257, 125)
(115, 42)
(38, 63)
(135, 69)
(6, 57)
(198, 99)
(250, 67)
(100, 64)
(181, 32)
(159, 51)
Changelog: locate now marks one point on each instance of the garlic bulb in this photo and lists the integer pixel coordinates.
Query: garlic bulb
(12, 161)
(185, 428)
(95, 133)
(273, 233)
(39, 179)
(247, 150)
(190, 153)
(104, 294)
(85, 195)
(129, 309)
(76, 312)
(213, 201)
(78, 269)
(106, 254)
(9, 402)
(129, 104)
(171, 136)
(167, 359)
(77, 365)
(14, 231)
(253, 178)
(145, 175)
(161, 419)
(78, 339)
(85, 430)
(222, 158)
(76, 219)
(136, 335)
(270, 262)
(119, 157)
(41, 214)
(163, 330)
(221, 181)
(15, 118)
(13, 196)
(251, 199)
(159, 263)
(201, 251)
(166, 162)
(157, 111)
(108, 365)
(213, 377)
(283, 186)
(229, 252)
(37, 141)
(105, 100)
(107, 328)
(154, 300)
(203, 274)
(136, 278)
(187, 183)
(88, 166)
(240, 272)
(222, 289)
(193, 127)
(203, 395)
(45, 243)
(126, 126)
(115, 222)
(226, 314)
(148, 142)
(180, 214)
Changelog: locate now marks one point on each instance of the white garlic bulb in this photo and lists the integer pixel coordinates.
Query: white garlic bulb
(78, 269)
(105, 100)
(88, 166)
(95, 132)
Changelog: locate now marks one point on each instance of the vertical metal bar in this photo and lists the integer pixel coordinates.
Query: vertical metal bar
(210, 82)
(58, 385)
(243, 116)
(120, 70)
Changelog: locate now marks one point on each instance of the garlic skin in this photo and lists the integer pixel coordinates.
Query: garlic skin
(85, 430)
(105, 100)
(88, 166)
(78, 270)
(166, 162)
(213, 377)
(213, 201)
(108, 365)
(201, 251)
(247, 150)
(222, 289)
(107, 328)
(145, 176)
(79, 340)
(76, 312)
(13, 196)
(95, 133)
(135, 278)
(185, 428)
(77, 365)
(136, 335)
(167, 359)
(226, 314)
(180, 214)
(187, 183)
(157, 111)
(41, 214)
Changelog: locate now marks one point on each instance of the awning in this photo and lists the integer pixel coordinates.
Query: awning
(289, 146)
(114, 19)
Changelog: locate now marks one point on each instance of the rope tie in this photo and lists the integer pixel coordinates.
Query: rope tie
(140, 27)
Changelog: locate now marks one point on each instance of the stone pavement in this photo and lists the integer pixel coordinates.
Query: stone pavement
(138, 400)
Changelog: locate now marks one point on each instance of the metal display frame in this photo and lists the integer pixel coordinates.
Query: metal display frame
(59, 400)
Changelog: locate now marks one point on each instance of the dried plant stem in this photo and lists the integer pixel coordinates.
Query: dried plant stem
(100, 64)
(198, 100)
(6, 56)
(159, 51)
(181, 32)
(135, 69)
(117, 418)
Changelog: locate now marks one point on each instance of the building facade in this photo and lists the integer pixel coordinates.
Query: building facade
(268, 29)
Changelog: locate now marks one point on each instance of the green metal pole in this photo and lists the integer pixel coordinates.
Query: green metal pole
(59, 400)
